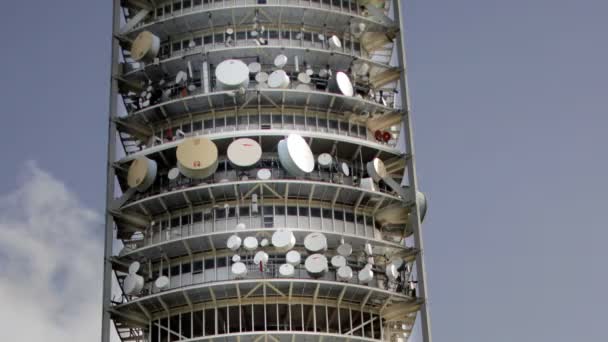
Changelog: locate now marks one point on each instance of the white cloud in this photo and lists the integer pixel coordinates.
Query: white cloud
(51, 252)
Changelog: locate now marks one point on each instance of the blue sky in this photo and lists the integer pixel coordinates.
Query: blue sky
(510, 120)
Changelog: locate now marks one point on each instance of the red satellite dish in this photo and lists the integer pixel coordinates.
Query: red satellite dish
(386, 136)
(378, 135)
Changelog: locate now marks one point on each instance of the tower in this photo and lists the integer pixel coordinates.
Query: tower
(266, 170)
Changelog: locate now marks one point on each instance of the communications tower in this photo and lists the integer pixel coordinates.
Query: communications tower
(261, 181)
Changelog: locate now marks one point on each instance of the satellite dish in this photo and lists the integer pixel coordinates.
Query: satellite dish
(341, 84)
(368, 249)
(345, 169)
(142, 173)
(391, 272)
(232, 74)
(283, 240)
(278, 79)
(229, 31)
(134, 267)
(397, 263)
(338, 261)
(335, 43)
(260, 258)
(236, 258)
(264, 242)
(197, 157)
(325, 160)
(264, 174)
(133, 284)
(345, 273)
(376, 169)
(181, 77)
(234, 242)
(316, 265)
(244, 153)
(239, 269)
(304, 78)
(345, 249)
(295, 155)
(315, 242)
(422, 204)
(367, 183)
(254, 67)
(240, 226)
(280, 61)
(145, 47)
(304, 87)
(287, 270)
(293, 258)
(173, 174)
(309, 71)
(250, 243)
(162, 283)
(366, 274)
(323, 73)
(261, 77)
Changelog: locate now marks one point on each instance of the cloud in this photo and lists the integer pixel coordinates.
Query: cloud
(51, 252)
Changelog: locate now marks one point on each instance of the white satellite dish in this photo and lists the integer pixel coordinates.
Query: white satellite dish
(240, 226)
(236, 258)
(260, 257)
(315, 242)
(345, 273)
(295, 155)
(197, 157)
(293, 258)
(368, 249)
(250, 243)
(366, 275)
(181, 77)
(325, 160)
(303, 78)
(316, 265)
(244, 153)
(261, 77)
(254, 67)
(264, 174)
(134, 267)
(287, 270)
(391, 272)
(304, 87)
(309, 71)
(345, 169)
(323, 72)
(229, 31)
(232, 74)
(145, 47)
(239, 269)
(280, 61)
(173, 174)
(234, 242)
(264, 242)
(283, 240)
(162, 283)
(341, 84)
(345, 249)
(142, 173)
(133, 284)
(397, 262)
(335, 43)
(338, 261)
(278, 80)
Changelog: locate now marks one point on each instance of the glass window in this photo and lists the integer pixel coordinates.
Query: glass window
(280, 210)
(272, 34)
(339, 215)
(186, 267)
(208, 39)
(197, 266)
(209, 263)
(219, 37)
(303, 211)
(327, 213)
(311, 121)
(197, 126)
(221, 262)
(187, 3)
(292, 211)
(243, 211)
(175, 270)
(230, 121)
(299, 120)
(177, 6)
(315, 212)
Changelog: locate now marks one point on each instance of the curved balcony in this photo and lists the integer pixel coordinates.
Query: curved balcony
(172, 19)
(204, 193)
(271, 291)
(350, 138)
(317, 54)
(198, 101)
(178, 241)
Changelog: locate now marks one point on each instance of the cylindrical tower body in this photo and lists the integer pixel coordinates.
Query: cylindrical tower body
(267, 176)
